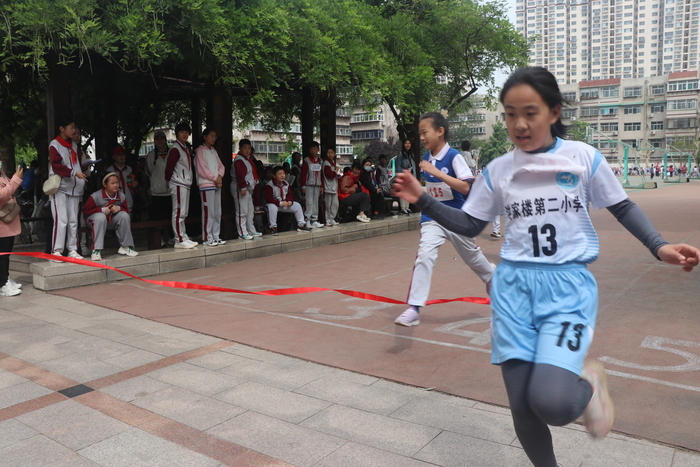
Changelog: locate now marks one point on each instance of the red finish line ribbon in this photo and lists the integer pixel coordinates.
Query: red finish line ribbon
(272, 293)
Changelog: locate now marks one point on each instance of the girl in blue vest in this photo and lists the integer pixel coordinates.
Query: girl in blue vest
(544, 301)
(447, 181)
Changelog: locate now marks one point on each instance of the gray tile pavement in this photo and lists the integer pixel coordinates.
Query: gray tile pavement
(291, 410)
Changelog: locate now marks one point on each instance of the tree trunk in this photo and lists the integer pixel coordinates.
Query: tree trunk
(328, 127)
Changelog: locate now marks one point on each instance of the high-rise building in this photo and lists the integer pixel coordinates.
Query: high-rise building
(583, 40)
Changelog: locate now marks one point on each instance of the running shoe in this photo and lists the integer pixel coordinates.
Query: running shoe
(256, 234)
(186, 245)
(246, 237)
(362, 218)
(273, 231)
(128, 251)
(220, 242)
(316, 225)
(600, 412)
(495, 234)
(96, 255)
(409, 317)
(56, 253)
(14, 284)
(303, 228)
(8, 290)
(75, 255)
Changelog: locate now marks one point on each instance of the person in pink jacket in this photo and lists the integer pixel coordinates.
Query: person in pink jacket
(210, 174)
(8, 231)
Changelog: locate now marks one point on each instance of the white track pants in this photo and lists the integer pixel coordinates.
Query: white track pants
(332, 205)
(245, 211)
(432, 236)
(273, 209)
(312, 195)
(99, 225)
(180, 196)
(211, 214)
(64, 209)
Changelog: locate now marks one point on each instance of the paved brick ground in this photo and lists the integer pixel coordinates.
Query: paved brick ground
(647, 331)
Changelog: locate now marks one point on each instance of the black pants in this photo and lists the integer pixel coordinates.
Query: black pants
(161, 208)
(541, 395)
(361, 200)
(6, 244)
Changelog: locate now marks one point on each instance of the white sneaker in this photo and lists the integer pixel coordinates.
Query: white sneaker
(246, 237)
(220, 242)
(600, 412)
(184, 245)
(409, 317)
(56, 253)
(256, 234)
(8, 290)
(75, 255)
(495, 234)
(14, 284)
(191, 242)
(96, 255)
(362, 218)
(128, 251)
(316, 225)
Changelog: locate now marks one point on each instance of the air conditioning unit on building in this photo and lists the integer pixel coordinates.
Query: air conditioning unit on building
(614, 133)
(651, 115)
(573, 119)
(652, 132)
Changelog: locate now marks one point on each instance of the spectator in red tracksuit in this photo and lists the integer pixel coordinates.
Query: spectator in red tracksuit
(105, 209)
(279, 198)
(178, 175)
(243, 181)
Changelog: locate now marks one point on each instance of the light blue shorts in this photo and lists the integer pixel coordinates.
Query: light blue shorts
(543, 313)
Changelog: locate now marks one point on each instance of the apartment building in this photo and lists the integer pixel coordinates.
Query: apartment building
(586, 40)
(650, 114)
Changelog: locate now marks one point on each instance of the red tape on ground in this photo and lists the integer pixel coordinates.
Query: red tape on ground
(275, 292)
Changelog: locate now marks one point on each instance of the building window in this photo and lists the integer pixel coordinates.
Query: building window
(608, 126)
(633, 92)
(633, 109)
(657, 108)
(678, 123)
(568, 113)
(634, 126)
(569, 96)
(683, 85)
(657, 125)
(683, 104)
(590, 93)
(658, 89)
(367, 117)
(368, 134)
(589, 111)
(608, 111)
(610, 91)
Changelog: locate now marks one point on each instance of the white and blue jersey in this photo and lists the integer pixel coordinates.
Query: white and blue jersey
(545, 198)
(450, 162)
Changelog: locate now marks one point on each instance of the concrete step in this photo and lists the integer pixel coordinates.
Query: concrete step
(49, 275)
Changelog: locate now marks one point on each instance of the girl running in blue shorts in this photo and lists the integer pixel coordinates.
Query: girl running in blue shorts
(544, 300)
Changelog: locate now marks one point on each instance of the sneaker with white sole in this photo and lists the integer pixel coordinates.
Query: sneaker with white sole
(8, 290)
(210, 243)
(96, 255)
(409, 317)
(56, 253)
(316, 225)
(303, 228)
(362, 218)
(600, 412)
(128, 251)
(496, 234)
(14, 284)
(256, 234)
(191, 242)
(184, 245)
(246, 237)
(75, 255)
(220, 242)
